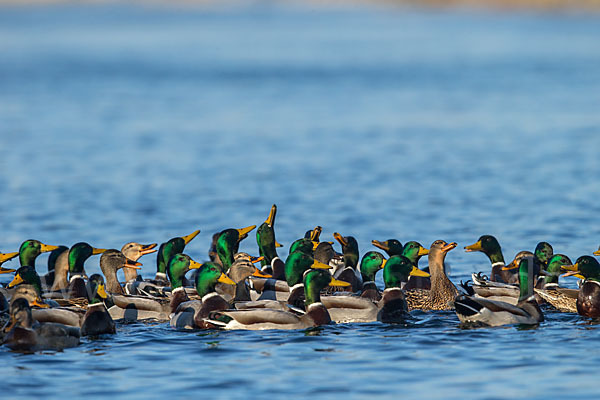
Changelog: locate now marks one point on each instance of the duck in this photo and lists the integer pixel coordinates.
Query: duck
(470, 309)
(349, 272)
(392, 247)
(414, 251)
(488, 245)
(27, 285)
(69, 277)
(25, 335)
(134, 251)
(167, 250)
(316, 313)
(228, 244)
(267, 245)
(442, 292)
(97, 319)
(4, 257)
(391, 307)
(371, 263)
(588, 296)
(191, 314)
(129, 307)
(242, 269)
(31, 249)
(560, 298)
(57, 256)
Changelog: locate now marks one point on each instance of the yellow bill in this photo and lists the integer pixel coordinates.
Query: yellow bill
(188, 238)
(101, 291)
(257, 272)
(97, 251)
(380, 245)
(6, 270)
(271, 218)
(46, 248)
(423, 251)
(225, 279)
(383, 264)
(316, 234)
(449, 246)
(194, 264)
(336, 282)
(277, 244)
(340, 239)
(474, 247)
(16, 280)
(254, 260)
(7, 256)
(36, 303)
(243, 232)
(417, 272)
(319, 265)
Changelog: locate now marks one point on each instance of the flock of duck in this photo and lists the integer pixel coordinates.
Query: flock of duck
(314, 286)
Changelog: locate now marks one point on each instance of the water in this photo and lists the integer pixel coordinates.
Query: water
(125, 122)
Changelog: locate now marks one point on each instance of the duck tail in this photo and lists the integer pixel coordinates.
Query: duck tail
(466, 306)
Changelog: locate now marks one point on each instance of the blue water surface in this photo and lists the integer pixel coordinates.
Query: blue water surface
(126, 122)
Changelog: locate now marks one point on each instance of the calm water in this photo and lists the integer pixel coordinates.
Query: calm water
(122, 123)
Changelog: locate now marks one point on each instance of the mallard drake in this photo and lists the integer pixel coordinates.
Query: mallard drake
(4, 257)
(442, 291)
(167, 250)
(31, 249)
(191, 314)
(588, 298)
(228, 244)
(370, 264)
(414, 251)
(69, 278)
(488, 245)
(261, 318)
(267, 245)
(392, 247)
(472, 309)
(22, 334)
(97, 320)
(349, 273)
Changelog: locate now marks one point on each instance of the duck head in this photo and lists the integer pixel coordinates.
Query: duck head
(488, 245)
(20, 315)
(371, 263)
(586, 267)
(27, 275)
(177, 268)
(553, 270)
(349, 249)
(31, 249)
(78, 254)
(170, 248)
(414, 251)
(265, 237)
(398, 269)
(208, 276)
(95, 289)
(543, 251)
(316, 280)
(297, 263)
(392, 247)
(228, 244)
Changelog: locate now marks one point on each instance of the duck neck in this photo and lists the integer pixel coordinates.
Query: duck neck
(61, 272)
(496, 257)
(526, 281)
(27, 257)
(439, 279)
(112, 283)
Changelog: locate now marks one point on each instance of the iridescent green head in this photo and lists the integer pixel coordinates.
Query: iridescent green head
(414, 251)
(95, 289)
(316, 280)
(398, 269)
(488, 245)
(391, 246)
(554, 267)
(228, 244)
(586, 267)
(349, 248)
(27, 275)
(297, 263)
(30, 249)
(208, 276)
(370, 264)
(54, 254)
(543, 252)
(170, 248)
(177, 268)
(303, 245)
(78, 253)
(265, 237)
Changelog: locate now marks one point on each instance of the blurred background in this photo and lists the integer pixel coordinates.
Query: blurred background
(142, 121)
